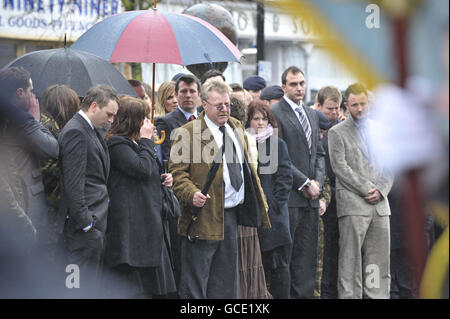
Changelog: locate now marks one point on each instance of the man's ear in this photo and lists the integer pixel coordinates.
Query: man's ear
(93, 107)
(20, 92)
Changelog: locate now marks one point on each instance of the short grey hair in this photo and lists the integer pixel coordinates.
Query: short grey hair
(216, 86)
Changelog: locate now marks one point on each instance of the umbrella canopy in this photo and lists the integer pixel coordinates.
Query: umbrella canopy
(156, 37)
(77, 69)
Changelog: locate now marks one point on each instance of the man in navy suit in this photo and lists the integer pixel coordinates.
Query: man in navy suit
(187, 90)
(84, 161)
(298, 126)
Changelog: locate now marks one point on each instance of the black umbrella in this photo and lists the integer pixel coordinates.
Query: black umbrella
(77, 69)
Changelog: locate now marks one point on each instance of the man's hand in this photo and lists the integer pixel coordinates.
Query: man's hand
(373, 197)
(313, 191)
(34, 107)
(199, 199)
(322, 207)
(168, 179)
(341, 117)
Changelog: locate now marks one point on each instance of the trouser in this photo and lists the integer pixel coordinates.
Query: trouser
(304, 227)
(276, 266)
(85, 251)
(209, 267)
(328, 288)
(403, 283)
(364, 246)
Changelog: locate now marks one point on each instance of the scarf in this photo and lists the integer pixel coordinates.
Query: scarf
(262, 137)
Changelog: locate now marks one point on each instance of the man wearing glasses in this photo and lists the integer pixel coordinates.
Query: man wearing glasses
(209, 243)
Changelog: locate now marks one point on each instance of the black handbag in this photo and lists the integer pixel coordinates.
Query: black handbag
(170, 205)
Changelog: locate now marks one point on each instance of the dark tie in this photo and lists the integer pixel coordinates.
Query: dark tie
(191, 118)
(305, 124)
(234, 166)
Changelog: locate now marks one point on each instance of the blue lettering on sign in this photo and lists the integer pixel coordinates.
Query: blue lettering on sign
(40, 7)
(81, 7)
(29, 4)
(95, 6)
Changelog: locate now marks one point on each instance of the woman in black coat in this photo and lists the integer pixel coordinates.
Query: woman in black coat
(274, 170)
(137, 253)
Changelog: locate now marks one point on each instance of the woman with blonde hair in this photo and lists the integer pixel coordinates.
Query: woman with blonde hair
(166, 101)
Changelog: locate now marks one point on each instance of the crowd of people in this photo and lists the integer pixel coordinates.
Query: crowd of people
(228, 206)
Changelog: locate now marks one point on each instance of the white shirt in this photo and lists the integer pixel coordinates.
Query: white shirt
(86, 118)
(295, 106)
(232, 198)
(187, 114)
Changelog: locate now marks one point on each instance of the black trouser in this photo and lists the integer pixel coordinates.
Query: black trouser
(85, 249)
(304, 227)
(403, 283)
(209, 267)
(328, 286)
(276, 267)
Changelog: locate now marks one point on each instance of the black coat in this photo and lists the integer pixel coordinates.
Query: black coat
(275, 174)
(135, 230)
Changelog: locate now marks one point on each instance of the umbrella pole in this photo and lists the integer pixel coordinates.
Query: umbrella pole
(156, 140)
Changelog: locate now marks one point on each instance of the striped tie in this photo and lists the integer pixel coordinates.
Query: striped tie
(305, 124)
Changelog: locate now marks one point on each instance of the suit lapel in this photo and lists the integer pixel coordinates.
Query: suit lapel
(97, 140)
(293, 119)
(180, 119)
(356, 137)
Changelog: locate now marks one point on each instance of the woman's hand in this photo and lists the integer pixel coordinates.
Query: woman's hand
(147, 129)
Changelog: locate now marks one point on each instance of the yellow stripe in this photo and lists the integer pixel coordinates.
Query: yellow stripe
(436, 269)
(337, 45)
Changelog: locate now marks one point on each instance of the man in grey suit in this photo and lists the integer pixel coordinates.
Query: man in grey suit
(187, 92)
(298, 126)
(26, 143)
(84, 161)
(362, 204)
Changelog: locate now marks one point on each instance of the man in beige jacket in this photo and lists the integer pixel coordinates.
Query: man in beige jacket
(208, 265)
(362, 205)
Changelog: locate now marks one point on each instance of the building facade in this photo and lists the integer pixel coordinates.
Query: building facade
(29, 25)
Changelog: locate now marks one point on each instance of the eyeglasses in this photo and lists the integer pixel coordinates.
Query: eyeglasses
(220, 106)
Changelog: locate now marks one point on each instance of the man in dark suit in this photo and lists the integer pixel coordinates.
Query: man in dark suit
(298, 126)
(84, 161)
(187, 90)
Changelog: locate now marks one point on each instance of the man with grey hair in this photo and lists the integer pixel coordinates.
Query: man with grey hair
(84, 161)
(208, 224)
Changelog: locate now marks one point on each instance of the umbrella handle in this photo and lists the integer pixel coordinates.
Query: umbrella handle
(159, 140)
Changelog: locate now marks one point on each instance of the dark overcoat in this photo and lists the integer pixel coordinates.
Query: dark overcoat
(135, 230)
(275, 174)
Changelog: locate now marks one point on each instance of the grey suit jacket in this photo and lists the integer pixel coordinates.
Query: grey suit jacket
(169, 123)
(304, 164)
(355, 173)
(84, 161)
(28, 144)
